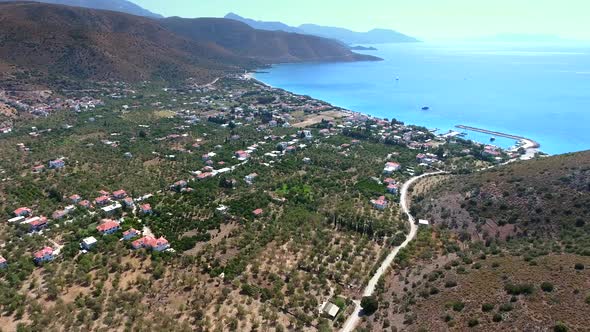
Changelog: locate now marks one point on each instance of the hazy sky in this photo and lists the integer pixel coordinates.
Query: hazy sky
(428, 19)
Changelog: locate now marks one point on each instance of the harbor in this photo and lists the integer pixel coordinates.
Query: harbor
(530, 146)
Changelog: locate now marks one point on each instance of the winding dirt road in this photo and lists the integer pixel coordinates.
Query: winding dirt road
(355, 317)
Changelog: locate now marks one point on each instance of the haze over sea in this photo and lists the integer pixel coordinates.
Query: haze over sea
(540, 91)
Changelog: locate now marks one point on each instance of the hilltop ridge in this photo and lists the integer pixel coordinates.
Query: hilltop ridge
(375, 36)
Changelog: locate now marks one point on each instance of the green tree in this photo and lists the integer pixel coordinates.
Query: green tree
(369, 304)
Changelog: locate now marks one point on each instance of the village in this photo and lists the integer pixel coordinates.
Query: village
(191, 170)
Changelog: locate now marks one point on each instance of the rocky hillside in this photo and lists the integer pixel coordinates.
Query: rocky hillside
(509, 251)
(46, 42)
(268, 46)
(544, 198)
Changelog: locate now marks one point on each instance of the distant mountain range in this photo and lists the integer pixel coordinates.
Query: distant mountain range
(123, 6)
(375, 36)
(48, 41)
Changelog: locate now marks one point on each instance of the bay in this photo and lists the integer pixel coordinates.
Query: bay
(540, 91)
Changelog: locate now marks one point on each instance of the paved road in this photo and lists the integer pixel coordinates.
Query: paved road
(354, 318)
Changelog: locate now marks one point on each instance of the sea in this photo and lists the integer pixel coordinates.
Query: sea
(539, 91)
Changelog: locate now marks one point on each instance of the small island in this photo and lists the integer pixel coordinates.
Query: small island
(363, 48)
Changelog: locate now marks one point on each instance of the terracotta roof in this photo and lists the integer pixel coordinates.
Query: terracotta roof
(43, 252)
(39, 222)
(22, 210)
(106, 225)
(119, 193)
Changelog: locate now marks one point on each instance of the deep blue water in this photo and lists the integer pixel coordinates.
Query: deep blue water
(538, 91)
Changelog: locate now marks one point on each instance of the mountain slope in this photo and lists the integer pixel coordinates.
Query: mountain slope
(82, 43)
(375, 36)
(268, 46)
(123, 6)
(46, 42)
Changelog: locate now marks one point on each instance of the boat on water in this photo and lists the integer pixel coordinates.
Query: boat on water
(425, 108)
(492, 139)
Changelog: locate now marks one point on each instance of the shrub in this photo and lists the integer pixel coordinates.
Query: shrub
(506, 307)
(487, 307)
(497, 317)
(547, 286)
(518, 289)
(560, 327)
(588, 299)
(579, 266)
(473, 322)
(458, 306)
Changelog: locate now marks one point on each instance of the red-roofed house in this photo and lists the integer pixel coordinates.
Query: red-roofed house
(108, 227)
(43, 255)
(380, 203)
(393, 188)
(75, 198)
(128, 201)
(179, 185)
(204, 176)
(102, 200)
(130, 233)
(119, 194)
(3, 262)
(391, 167)
(242, 155)
(257, 212)
(85, 204)
(38, 223)
(389, 181)
(59, 214)
(149, 242)
(146, 208)
(23, 212)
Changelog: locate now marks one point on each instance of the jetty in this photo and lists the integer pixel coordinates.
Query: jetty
(532, 144)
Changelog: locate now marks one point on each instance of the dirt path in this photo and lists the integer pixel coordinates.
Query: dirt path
(354, 318)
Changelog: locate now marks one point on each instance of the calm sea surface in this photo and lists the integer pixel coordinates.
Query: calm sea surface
(538, 91)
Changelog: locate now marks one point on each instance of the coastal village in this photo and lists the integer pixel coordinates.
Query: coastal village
(236, 154)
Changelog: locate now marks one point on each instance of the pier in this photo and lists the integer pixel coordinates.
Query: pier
(529, 143)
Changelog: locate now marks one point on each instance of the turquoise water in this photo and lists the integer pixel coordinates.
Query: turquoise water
(538, 91)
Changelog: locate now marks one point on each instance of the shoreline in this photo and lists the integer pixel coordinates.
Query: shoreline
(531, 146)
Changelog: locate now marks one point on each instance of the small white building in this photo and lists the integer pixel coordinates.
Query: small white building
(111, 208)
(88, 243)
(423, 222)
(15, 220)
(331, 310)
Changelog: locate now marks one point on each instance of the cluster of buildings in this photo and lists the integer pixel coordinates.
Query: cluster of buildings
(24, 216)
